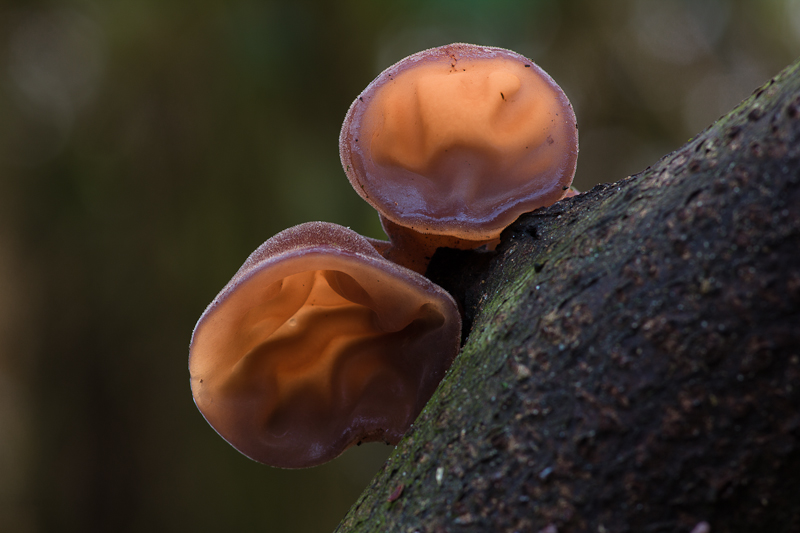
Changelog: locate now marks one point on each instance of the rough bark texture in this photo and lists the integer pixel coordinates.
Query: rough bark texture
(634, 357)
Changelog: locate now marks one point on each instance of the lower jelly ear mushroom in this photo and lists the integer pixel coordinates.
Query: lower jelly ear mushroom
(318, 343)
(458, 141)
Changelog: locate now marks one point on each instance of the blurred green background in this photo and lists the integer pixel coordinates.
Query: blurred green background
(148, 146)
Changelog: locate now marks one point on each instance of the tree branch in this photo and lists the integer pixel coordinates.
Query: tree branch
(633, 362)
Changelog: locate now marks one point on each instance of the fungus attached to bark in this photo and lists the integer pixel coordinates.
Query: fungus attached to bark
(318, 343)
(452, 144)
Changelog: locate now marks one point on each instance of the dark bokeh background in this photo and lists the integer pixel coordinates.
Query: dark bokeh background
(148, 146)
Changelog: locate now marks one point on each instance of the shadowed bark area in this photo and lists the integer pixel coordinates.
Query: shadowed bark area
(634, 357)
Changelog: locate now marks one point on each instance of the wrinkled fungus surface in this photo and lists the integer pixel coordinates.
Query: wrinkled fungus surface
(460, 140)
(318, 343)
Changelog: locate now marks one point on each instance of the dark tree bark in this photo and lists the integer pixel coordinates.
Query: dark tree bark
(633, 362)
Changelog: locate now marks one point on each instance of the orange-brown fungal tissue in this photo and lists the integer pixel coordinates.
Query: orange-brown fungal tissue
(318, 343)
(459, 141)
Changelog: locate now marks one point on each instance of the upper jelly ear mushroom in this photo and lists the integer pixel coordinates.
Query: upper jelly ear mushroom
(318, 343)
(452, 144)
